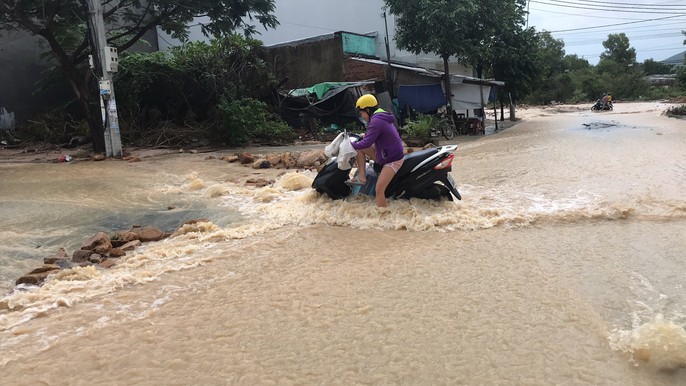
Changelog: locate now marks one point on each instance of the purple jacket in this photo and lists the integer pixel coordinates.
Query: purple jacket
(382, 133)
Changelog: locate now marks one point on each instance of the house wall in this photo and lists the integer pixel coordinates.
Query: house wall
(356, 71)
(308, 63)
(302, 19)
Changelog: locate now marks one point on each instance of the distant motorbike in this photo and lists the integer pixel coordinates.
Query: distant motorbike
(601, 106)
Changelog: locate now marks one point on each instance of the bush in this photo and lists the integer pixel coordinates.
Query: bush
(419, 131)
(676, 111)
(245, 120)
(197, 91)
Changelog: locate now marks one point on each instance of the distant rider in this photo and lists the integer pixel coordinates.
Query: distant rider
(381, 143)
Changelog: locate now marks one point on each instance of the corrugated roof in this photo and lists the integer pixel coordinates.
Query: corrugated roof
(433, 73)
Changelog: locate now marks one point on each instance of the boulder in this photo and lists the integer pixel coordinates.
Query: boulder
(288, 160)
(246, 158)
(258, 182)
(310, 158)
(149, 234)
(60, 255)
(80, 256)
(130, 246)
(117, 252)
(95, 258)
(261, 164)
(99, 243)
(107, 263)
(45, 268)
(274, 159)
(33, 278)
(122, 237)
(230, 158)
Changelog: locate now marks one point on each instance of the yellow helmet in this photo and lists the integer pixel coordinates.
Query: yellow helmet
(366, 100)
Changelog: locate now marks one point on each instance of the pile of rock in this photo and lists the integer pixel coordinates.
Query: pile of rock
(101, 250)
(312, 159)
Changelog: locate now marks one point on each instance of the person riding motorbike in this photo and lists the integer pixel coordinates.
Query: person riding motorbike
(381, 143)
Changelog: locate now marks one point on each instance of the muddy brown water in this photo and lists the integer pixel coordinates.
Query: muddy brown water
(563, 264)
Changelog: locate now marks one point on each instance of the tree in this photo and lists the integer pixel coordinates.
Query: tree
(437, 27)
(617, 49)
(62, 24)
(516, 63)
(550, 54)
(652, 67)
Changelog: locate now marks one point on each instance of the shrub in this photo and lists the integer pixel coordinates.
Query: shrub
(245, 120)
(676, 111)
(419, 130)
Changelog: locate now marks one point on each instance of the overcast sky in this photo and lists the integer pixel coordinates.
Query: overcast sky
(653, 27)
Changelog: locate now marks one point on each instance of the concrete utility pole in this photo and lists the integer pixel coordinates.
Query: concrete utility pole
(107, 59)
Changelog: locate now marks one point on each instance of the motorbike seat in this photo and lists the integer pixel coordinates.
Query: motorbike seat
(413, 159)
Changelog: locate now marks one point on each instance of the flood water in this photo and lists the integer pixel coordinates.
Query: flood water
(563, 264)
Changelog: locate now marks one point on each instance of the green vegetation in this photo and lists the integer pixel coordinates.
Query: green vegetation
(676, 111)
(63, 26)
(198, 91)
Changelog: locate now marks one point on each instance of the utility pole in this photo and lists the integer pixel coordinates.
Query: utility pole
(107, 59)
(389, 71)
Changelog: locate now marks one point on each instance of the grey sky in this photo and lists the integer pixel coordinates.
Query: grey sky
(653, 27)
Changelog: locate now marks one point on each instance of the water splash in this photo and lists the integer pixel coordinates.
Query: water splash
(658, 342)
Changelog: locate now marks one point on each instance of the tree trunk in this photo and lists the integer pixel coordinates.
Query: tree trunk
(92, 113)
(81, 85)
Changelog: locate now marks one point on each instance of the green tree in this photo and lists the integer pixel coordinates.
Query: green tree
(552, 80)
(516, 63)
(62, 25)
(437, 27)
(618, 49)
(467, 30)
(651, 67)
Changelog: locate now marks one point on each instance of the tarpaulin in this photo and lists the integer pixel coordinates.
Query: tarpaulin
(422, 98)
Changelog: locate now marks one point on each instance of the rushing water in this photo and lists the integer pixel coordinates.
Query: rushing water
(563, 264)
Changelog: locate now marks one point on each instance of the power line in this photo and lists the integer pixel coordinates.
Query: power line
(614, 25)
(600, 7)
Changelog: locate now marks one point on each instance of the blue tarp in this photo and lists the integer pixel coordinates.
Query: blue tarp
(422, 98)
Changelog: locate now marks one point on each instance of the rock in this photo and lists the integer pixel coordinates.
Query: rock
(98, 157)
(80, 256)
(45, 268)
(95, 258)
(230, 158)
(274, 159)
(134, 159)
(122, 237)
(107, 263)
(261, 164)
(131, 245)
(99, 243)
(288, 160)
(308, 158)
(60, 255)
(33, 278)
(258, 182)
(246, 158)
(117, 252)
(149, 234)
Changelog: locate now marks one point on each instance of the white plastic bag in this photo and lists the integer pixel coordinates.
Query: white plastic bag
(346, 151)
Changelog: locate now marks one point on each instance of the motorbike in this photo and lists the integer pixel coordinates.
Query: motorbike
(601, 106)
(424, 174)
